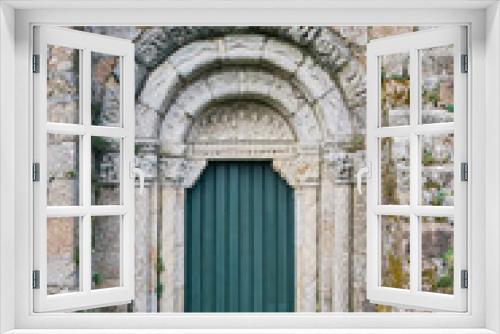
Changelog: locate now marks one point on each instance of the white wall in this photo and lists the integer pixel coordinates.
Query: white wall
(7, 168)
(493, 167)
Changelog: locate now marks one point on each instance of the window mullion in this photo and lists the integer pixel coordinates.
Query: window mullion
(86, 242)
(414, 172)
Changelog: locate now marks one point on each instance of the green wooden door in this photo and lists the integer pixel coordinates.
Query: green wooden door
(239, 240)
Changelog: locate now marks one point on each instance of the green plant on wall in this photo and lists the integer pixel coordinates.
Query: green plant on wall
(159, 289)
(427, 158)
(97, 278)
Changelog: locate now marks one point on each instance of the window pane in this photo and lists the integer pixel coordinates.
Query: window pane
(395, 89)
(105, 171)
(395, 170)
(395, 248)
(63, 84)
(105, 89)
(63, 257)
(437, 169)
(106, 239)
(63, 165)
(437, 84)
(437, 254)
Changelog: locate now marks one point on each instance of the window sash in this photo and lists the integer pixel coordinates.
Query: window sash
(411, 43)
(86, 43)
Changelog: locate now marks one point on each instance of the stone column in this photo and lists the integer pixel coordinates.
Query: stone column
(305, 248)
(172, 276)
(146, 220)
(341, 167)
(326, 237)
(302, 173)
(177, 174)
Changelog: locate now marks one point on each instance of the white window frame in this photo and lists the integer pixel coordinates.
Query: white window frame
(411, 44)
(85, 44)
(16, 21)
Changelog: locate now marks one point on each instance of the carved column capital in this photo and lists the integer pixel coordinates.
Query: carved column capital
(180, 172)
(300, 170)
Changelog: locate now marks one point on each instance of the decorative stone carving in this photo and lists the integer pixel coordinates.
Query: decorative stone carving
(240, 151)
(180, 172)
(227, 85)
(234, 122)
(311, 78)
(302, 170)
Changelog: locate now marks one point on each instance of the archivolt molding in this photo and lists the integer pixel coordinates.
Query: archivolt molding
(329, 50)
(233, 84)
(315, 84)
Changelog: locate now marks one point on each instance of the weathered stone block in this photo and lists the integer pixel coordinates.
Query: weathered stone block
(244, 47)
(255, 82)
(314, 79)
(194, 56)
(224, 83)
(146, 122)
(194, 97)
(333, 115)
(157, 87)
(306, 125)
(282, 55)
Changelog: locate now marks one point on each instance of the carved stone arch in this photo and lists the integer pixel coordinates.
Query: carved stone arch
(234, 84)
(324, 97)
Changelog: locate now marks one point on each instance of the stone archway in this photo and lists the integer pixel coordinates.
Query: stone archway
(201, 76)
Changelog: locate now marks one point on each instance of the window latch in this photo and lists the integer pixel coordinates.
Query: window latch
(134, 171)
(359, 176)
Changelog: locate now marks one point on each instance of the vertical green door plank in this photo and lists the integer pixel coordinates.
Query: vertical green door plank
(233, 252)
(220, 235)
(196, 248)
(291, 249)
(208, 242)
(258, 220)
(270, 271)
(188, 253)
(281, 242)
(245, 270)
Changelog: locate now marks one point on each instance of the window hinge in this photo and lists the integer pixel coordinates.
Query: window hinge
(465, 64)
(464, 279)
(36, 172)
(36, 279)
(464, 171)
(36, 63)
